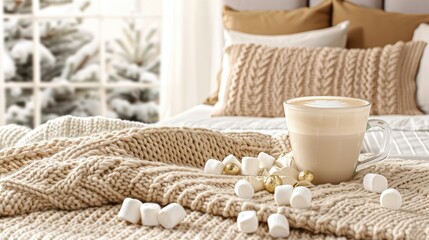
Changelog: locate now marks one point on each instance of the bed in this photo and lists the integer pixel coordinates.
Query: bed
(410, 133)
(66, 179)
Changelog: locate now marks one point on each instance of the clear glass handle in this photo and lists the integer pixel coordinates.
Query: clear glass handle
(385, 147)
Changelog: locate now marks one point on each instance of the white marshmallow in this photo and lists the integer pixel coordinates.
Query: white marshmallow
(257, 184)
(375, 182)
(282, 194)
(130, 210)
(278, 225)
(391, 198)
(171, 215)
(244, 189)
(286, 160)
(149, 214)
(214, 166)
(301, 198)
(265, 160)
(247, 222)
(231, 159)
(250, 166)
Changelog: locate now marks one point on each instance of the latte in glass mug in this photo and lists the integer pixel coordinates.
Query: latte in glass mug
(326, 135)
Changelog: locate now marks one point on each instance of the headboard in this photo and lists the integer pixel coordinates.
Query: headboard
(403, 6)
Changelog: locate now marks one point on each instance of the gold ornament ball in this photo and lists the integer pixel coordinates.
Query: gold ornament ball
(271, 182)
(306, 175)
(231, 169)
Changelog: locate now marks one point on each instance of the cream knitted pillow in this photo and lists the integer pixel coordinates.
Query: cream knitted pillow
(256, 80)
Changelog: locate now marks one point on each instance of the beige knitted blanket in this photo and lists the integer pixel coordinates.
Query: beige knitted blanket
(57, 186)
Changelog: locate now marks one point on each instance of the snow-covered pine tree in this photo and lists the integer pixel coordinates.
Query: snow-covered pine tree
(69, 53)
(60, 39)
(134, 58)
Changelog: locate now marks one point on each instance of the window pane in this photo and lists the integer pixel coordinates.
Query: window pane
(18, 57)
(61, 101)
(69, 50)
(17, 7)
(64, 7)
(19, 106)
(52, 7)
(133, 104)
(132, 50)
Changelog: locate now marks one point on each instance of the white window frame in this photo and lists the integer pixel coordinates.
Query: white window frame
(103, 85)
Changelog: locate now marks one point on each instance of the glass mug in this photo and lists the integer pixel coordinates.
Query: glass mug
(326, 135)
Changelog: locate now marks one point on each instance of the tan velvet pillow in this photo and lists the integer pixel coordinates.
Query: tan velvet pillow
(275, 23)
(371, 27)
(256, 80)
(278, 22)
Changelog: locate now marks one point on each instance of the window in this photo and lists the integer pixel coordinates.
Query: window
(79, 57)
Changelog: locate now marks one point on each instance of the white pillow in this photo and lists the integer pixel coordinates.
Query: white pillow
(335, 36)
(422, 34)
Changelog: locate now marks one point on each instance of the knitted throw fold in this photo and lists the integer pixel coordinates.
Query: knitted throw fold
(259, 78)
(66, 187)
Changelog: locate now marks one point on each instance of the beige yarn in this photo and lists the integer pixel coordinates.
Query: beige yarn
(102, 223)
(64, 188)
(11, 134)
(70, 127)
(262, 78)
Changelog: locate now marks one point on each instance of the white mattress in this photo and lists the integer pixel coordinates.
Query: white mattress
(410, 133)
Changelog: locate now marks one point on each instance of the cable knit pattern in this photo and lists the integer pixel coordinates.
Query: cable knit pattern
(71, 187)
(263, 77)
(411, 59)
(300, 72)
(279, 72)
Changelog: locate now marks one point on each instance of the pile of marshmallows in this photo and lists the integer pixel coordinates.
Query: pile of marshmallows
(151, 214)
(300, 197)
(264, 172)
(285, 187)
(280, 181)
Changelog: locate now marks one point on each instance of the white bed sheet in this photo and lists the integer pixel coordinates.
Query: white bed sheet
(410, 133)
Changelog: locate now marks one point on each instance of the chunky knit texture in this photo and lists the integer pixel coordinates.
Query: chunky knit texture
(71, 187)
(11, 134)
(102, 223)
(76, 127)
(262, 78)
